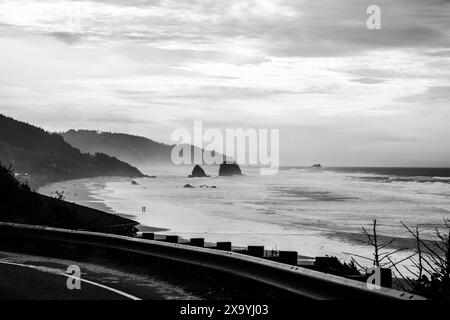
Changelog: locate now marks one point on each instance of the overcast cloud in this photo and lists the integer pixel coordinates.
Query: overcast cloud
(340, 93)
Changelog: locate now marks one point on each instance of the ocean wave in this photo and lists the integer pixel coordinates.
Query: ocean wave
(306, 194)
(390, 179)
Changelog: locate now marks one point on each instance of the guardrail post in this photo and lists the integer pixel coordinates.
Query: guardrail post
(255, 251)
(225, 246)
(288, 257)
(172, 239)
(197, 242)
(385, 277)
(148, 235)
(325, 263)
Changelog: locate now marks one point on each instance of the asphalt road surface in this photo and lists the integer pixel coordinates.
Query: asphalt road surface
(42, 278)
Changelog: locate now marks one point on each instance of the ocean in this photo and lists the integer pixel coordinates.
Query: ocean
(316, 212)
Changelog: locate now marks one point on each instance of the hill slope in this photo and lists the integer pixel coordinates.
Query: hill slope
(47, 157)
(132, 149)
(138, 151)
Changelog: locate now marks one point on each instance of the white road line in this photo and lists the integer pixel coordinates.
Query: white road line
(41, 268)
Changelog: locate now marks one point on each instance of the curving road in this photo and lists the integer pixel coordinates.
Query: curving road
(28, 282)
(33, 277)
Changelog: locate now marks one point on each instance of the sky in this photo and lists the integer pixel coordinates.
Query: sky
(340, 94)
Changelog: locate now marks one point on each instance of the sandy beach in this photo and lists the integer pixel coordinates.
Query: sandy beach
(82, 191)
(85, 192)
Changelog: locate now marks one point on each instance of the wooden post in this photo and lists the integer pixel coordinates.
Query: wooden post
(197, 242)
(255, 251)
(386, 278)
(225, 246)
(172, 239)
(288, 257)
(148, 235)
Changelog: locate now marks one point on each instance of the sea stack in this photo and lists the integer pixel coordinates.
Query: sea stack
(229, 169)
(198, 172)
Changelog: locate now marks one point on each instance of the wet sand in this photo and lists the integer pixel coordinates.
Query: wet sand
(81, 192)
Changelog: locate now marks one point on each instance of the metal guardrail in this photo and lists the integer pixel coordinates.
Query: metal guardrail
(296, 280)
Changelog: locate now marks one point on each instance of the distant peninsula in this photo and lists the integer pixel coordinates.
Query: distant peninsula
(42, 157)
(136, 150)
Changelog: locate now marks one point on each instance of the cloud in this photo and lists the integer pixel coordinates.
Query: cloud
(368, 80)
(68, 37)
(439, 53)
(307, 66)
(332, 28)
(277, 27)
(431, 94)
(157, 55)
(195, 94)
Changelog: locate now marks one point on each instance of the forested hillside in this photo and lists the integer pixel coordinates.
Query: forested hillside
(44, 157)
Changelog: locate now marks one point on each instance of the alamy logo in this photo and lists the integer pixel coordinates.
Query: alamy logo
(257, 147)
(373, 22)
(374, 280)
(74, 277)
